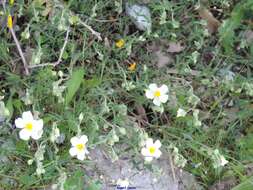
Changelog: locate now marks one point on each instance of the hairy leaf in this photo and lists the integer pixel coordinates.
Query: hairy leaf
(73, 84)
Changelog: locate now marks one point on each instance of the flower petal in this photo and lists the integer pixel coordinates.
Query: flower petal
(153, 87)
(149, 94)
(19, 122)
(158, 153)
(163, 98)
(148, 158)
(157, 144)
(73, 151)
(145, 152)
(81, 156)
(164, 89)
(86, 151)
(83, 139)
(74, 141)
(38, 124)
(149, 142)
(27, 116)
(36, 134)
(156, 101)
(24, 134)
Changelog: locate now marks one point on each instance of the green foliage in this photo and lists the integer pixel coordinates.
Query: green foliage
(75, 181)
(94, 186)
(245, 146)
(93, 79)
(246, 185)
(73, 84)
(227, 31)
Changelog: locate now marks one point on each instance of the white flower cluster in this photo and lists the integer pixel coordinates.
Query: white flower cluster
(217, 158)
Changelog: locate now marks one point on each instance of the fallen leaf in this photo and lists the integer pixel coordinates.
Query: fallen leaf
(175, 47)
(212, 23)
(141, 115)
(163, 59)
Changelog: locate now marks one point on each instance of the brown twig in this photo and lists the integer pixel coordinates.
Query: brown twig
(95, 33)
(172, 168)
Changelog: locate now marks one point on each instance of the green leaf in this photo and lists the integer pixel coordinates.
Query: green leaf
(92, 83)
(245, 147)
(227, 30)
(27, 179)
(94, 186)
(73, 84)
(75, 181)
(227, 34)
(246, 185)
(9, 105)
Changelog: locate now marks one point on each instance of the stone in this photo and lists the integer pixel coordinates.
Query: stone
(142, 178)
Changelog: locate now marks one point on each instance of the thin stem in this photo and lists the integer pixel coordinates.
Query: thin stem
(60, 56)
(20, 51)
(63, 47)
(95, 33)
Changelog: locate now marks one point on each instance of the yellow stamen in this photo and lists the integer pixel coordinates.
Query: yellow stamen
(29, 126)
(120, 43)
(152, 150)
(9, 22)
(132, 66)
(80, 147)
(157, 93)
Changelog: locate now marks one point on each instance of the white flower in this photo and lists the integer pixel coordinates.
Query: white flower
(78, 148)
(29, 126)
(151, 150)
(122, 184)
(157, 94)
(181, 112)
(30, 162)
(196, 121)
(55, 133)
(218, 159)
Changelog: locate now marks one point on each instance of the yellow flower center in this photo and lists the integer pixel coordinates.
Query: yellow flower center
(29, 126)
(120, 43)
(157, 93)
(152, 150)
(80, 147)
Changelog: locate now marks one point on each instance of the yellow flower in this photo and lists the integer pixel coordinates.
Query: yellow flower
(120, 43)
(11, 2)
(9, 22)
(132, 66)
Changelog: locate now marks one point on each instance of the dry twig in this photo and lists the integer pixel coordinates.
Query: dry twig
(10, 26)
(60, 56)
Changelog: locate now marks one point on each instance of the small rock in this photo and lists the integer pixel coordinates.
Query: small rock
(140, 178)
